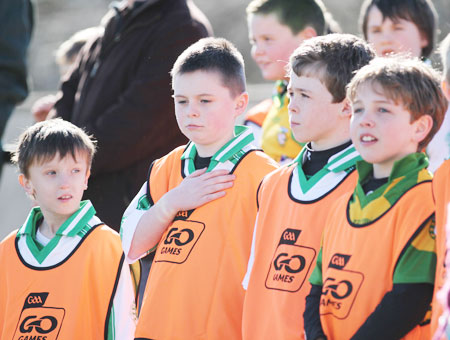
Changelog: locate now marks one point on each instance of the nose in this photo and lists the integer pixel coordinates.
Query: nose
(292, 106)
(366, 120)
(257, 50)
(64, 181)
(192, 111)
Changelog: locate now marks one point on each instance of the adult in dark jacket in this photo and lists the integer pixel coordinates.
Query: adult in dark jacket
(16, 24)
(121, 93)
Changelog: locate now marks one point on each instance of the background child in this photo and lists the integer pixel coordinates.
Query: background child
(294, 199)
(399, 26)
(197, 204)
(62, 271)
(442, 199)
(375, 273)
(276, 29)
(65, 57)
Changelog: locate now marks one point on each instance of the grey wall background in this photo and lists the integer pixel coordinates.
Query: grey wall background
(57, 20)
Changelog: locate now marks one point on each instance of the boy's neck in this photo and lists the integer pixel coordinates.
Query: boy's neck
(50, 224)
(313, 161)
(330, 143)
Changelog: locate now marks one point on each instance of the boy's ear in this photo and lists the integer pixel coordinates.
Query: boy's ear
(25, 183)
(307, 32)
(241, 103)
(88, 173)
(346, 108)
(446, 89)
(423, 126)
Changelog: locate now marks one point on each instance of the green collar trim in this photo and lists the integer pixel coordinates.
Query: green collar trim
(406, 173)
(342, 161)
(75, 224)
(232, 151)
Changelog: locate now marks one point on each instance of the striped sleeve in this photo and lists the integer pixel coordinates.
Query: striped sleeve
(130, 219)
(123, 319)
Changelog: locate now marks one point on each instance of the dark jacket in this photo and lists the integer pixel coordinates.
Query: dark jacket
(121, 93)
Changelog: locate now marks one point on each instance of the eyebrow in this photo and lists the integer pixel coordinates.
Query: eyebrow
(197, 95)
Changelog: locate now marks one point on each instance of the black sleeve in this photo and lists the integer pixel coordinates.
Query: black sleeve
(399, 312)
(311, 315)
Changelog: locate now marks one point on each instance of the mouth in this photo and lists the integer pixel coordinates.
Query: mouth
(193, 126)
(387, 52)
(65, 198)
(367, 139)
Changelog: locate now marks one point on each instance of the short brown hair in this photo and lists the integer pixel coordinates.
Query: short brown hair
(333, 58)
(214, 54)
(295, 14)
(44, 140)
(408, 82)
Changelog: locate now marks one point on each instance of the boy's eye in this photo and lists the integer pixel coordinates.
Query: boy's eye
(304, 95)
(290, 94)
(50, 172)
(181, 102)
(205, 101)
(75, 171)
(357, 110)
(375, 30)
(398, 28)
(383, 110)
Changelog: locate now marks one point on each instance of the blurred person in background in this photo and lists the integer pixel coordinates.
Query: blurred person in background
(66, 58)
(120, 92)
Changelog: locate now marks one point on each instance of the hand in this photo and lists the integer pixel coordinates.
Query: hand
(42, 107)
(199, 188)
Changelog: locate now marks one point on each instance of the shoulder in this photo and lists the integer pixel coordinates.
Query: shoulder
(170, 158)
(9, 239)
(259, 158)
(105, 236)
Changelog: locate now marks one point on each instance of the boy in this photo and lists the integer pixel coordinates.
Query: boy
(399, 26)
(203, 226)
(442, 199)
(63, 274)
(276, 29)
(375, 272)
(287, 239)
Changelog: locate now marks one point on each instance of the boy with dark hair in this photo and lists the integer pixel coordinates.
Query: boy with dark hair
(195, 208)
(276, 29)
(375, 272)
(63, 272)
(399, 26)
(293, 200)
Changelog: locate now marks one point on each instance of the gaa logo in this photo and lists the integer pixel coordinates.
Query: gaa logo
(293, 264)
(340, 290)
(179, 241)
(43, 325)
(179, 237)
(38, 322)
(290, 264)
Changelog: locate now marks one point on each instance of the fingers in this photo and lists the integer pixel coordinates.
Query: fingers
(197, 173)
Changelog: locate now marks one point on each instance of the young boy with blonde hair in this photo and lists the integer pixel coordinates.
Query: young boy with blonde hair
(293, 200)
(441, 183)
(375, 271)
(276, 29)
(196, 209)
(63, 273)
